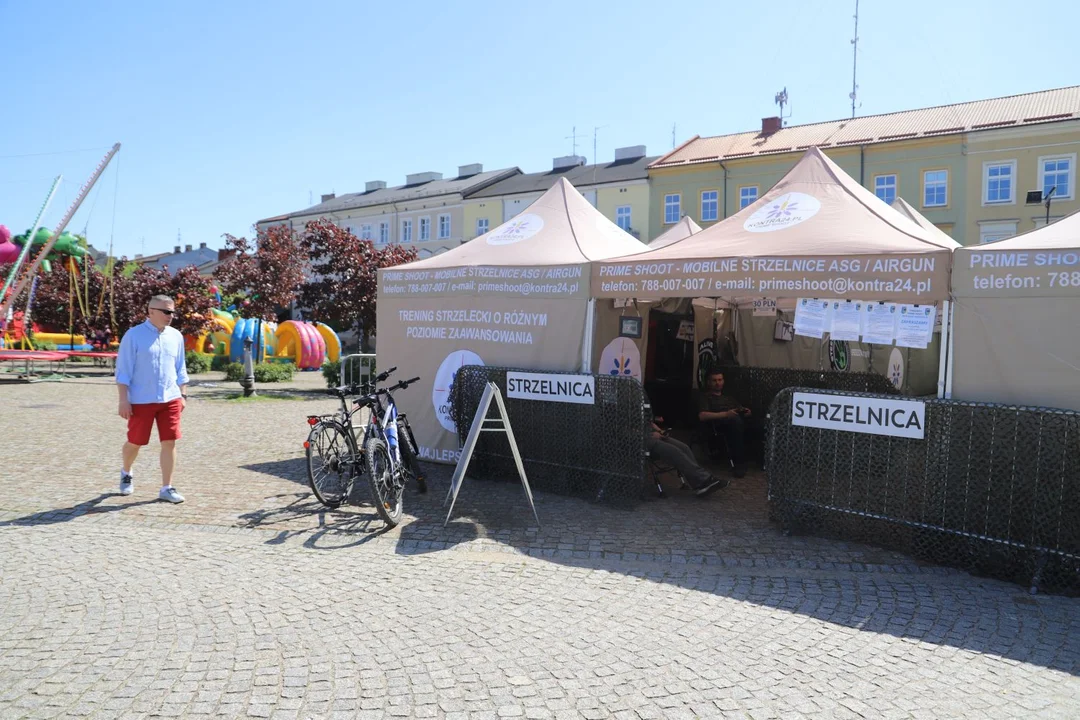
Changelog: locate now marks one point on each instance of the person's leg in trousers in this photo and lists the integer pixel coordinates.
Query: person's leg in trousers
(733, 430)
(672, 452)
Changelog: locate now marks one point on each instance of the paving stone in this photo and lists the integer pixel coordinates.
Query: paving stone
(252, 600)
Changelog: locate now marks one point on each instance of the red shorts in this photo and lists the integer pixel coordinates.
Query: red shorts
(142, 419)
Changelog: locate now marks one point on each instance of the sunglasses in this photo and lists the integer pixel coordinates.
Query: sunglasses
(162, 310)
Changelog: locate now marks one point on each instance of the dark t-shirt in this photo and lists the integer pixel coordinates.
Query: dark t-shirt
(712, 402)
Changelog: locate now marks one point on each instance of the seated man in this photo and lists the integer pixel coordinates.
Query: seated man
(724, 416)
(670, 451)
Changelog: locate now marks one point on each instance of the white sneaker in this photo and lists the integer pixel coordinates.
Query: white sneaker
(169, 494)
(127, 483)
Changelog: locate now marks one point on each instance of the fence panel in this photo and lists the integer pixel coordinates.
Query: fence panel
(593, 451)
(992, 489)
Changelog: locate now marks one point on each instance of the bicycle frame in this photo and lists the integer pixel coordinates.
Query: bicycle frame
(384, 428)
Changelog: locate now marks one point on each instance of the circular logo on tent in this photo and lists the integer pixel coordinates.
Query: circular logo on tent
(621, 358)
(516, 230)
(786, 211)
(444, 378)
(896, 368)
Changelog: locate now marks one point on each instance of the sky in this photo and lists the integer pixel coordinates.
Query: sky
(229, 112)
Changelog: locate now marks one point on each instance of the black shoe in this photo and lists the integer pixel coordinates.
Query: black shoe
(421, 484)
(714, 484)
(740, 470)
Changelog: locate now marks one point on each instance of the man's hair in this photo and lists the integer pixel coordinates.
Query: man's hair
(161, 299)
(713, 371)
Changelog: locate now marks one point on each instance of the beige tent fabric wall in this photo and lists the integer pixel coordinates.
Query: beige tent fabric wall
(607, 328)
(544, 334)
(1022, 351)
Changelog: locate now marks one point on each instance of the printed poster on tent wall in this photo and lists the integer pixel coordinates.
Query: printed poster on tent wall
(433, 338)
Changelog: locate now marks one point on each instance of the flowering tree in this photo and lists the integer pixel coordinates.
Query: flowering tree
(267, 272)
(343, 287)
(187, 288)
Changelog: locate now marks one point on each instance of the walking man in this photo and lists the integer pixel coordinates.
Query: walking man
(151, 377)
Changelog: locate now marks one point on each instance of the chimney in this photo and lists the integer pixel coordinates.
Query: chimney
(770, 125)
(629, 153)
(420, 178)
(373, 185)
(187, 248)
(176, 250)
(138, 255)
(224, 253)
(202, 246)
(566, 162)
(326, 196)
(468, 170)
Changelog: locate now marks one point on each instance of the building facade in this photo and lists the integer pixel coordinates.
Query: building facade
(967, 167)
(426, 213)
(619, 189)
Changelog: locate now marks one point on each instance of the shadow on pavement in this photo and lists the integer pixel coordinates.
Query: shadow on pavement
(294, 469)
(87, 507)
(725, 545)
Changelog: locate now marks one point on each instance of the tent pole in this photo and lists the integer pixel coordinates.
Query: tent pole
(943, 351)
(587, 341)
(951, 360)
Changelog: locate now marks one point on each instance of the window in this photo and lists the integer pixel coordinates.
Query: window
(384, 232)
(671, 209)
(935, 188)
(998, 182)
(710, 203)
(747, 196)
(622, 217)
(1057, 172)
(444, 227)
(406, 231)
(365, 232)
(992, 231)
(481, 226)
(425, 229)
(885, 188)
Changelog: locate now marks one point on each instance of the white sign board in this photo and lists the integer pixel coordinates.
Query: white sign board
(870, 415)
(915, 327)
(552, 387)
(846, 320)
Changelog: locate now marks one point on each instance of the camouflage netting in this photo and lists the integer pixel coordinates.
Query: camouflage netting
(992, 489)
(596, 452)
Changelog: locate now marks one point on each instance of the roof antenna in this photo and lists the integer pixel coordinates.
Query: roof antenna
(672, 136)
(781, 99)
(573, 137)
(854, 60)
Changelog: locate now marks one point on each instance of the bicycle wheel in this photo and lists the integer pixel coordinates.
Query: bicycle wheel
(409, 453)
(385, 488)
(330, 453)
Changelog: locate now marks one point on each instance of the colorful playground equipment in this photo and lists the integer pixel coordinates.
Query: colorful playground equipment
(306, 345)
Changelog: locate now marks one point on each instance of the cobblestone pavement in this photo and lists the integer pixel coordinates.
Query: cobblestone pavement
(250, 600)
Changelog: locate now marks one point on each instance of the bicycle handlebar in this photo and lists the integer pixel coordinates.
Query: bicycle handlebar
(381, 377)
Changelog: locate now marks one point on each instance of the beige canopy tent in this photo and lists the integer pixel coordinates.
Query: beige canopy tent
(678, 232)
(516, 296)
(1017, 319)
(903, 207)
(816, 234)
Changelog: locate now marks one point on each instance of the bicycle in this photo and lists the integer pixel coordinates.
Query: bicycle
(388, 452)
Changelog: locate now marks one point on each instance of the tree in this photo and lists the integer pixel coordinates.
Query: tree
(268, 272)
(344, 283)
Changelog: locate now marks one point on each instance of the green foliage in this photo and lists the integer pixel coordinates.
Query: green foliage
(197, 362)
(45, 346)
(264, 372)
(331, 372)
(219, 362)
